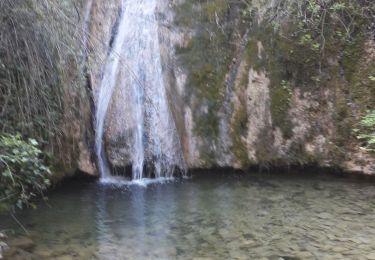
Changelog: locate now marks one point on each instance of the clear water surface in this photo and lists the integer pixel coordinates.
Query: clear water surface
(211, 217)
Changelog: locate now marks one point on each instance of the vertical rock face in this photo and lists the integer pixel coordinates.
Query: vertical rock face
(251, 98)
(257, 100)
(237, 94)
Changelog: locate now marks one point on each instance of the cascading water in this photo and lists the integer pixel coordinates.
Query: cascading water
(105, 93)
(134, 67)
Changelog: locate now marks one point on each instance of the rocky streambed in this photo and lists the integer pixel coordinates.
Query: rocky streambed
(210, 217)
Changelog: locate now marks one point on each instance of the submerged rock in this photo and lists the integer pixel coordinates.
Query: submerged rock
(324, 215)
(19, 254)
(3, 248)
(3, 245)
(23, 243)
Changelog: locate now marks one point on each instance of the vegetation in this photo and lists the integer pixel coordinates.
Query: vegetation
(240, 126)
(23, 172)
(309, 34)
(367, 130)
(309, 44)
(207, 56)
(319, 23)
(40, 71)
(39, 67)
(280, 104)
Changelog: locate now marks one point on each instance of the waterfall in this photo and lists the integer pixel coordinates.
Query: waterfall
(134, 67)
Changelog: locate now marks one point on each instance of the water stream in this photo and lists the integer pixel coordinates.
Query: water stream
(232, 217)
(134, 66)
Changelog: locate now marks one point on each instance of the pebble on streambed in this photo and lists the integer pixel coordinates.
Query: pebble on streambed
(19, 248)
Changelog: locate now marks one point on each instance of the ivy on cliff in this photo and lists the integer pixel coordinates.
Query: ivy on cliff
(366, 132)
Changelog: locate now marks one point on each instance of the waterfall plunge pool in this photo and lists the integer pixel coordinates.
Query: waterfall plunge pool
(206, 217)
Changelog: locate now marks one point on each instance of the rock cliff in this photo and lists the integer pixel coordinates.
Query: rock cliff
(243, 93)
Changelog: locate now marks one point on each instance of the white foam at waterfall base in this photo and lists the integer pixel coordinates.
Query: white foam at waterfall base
(135, 56)
(144, 182)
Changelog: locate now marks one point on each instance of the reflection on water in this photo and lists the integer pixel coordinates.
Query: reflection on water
(216, 218)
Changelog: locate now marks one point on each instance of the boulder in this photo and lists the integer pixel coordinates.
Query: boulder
(24, 243)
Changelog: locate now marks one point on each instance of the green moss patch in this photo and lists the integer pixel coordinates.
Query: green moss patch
(239, 130)
(207, 58)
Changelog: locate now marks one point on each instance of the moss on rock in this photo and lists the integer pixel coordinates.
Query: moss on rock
(325, 67)
(239, 132)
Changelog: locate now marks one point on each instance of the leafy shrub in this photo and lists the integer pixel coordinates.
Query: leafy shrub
(367, 130)
(319, 26)
(23, 173)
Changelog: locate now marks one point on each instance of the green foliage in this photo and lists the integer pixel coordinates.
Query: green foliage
(306, 35)
(240, 127)
(215, 9)
(23, 173)
(302, 38)
(323, 22)
(280, 103)
(368, 121)
(39, 56)
(367, 130)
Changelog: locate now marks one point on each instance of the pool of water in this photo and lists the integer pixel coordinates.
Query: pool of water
(211, 217)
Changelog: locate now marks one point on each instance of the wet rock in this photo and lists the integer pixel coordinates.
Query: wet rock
(333, 257)
(283, 258)
(364, 240)
(23, 243)
(64, 257)
(238, 254)
(3, 245)
(19, 254)
(3, 248)
(60, 232)
(233, 244)
(332, 237)
(226, 234)
(305, 255)
(324, 215)
(44, 254)
(262, 213)
(288, 258)
(339, 249)
(211, 239)
(171, 252)
(276, 198)
(318, 186)
(248, 236)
